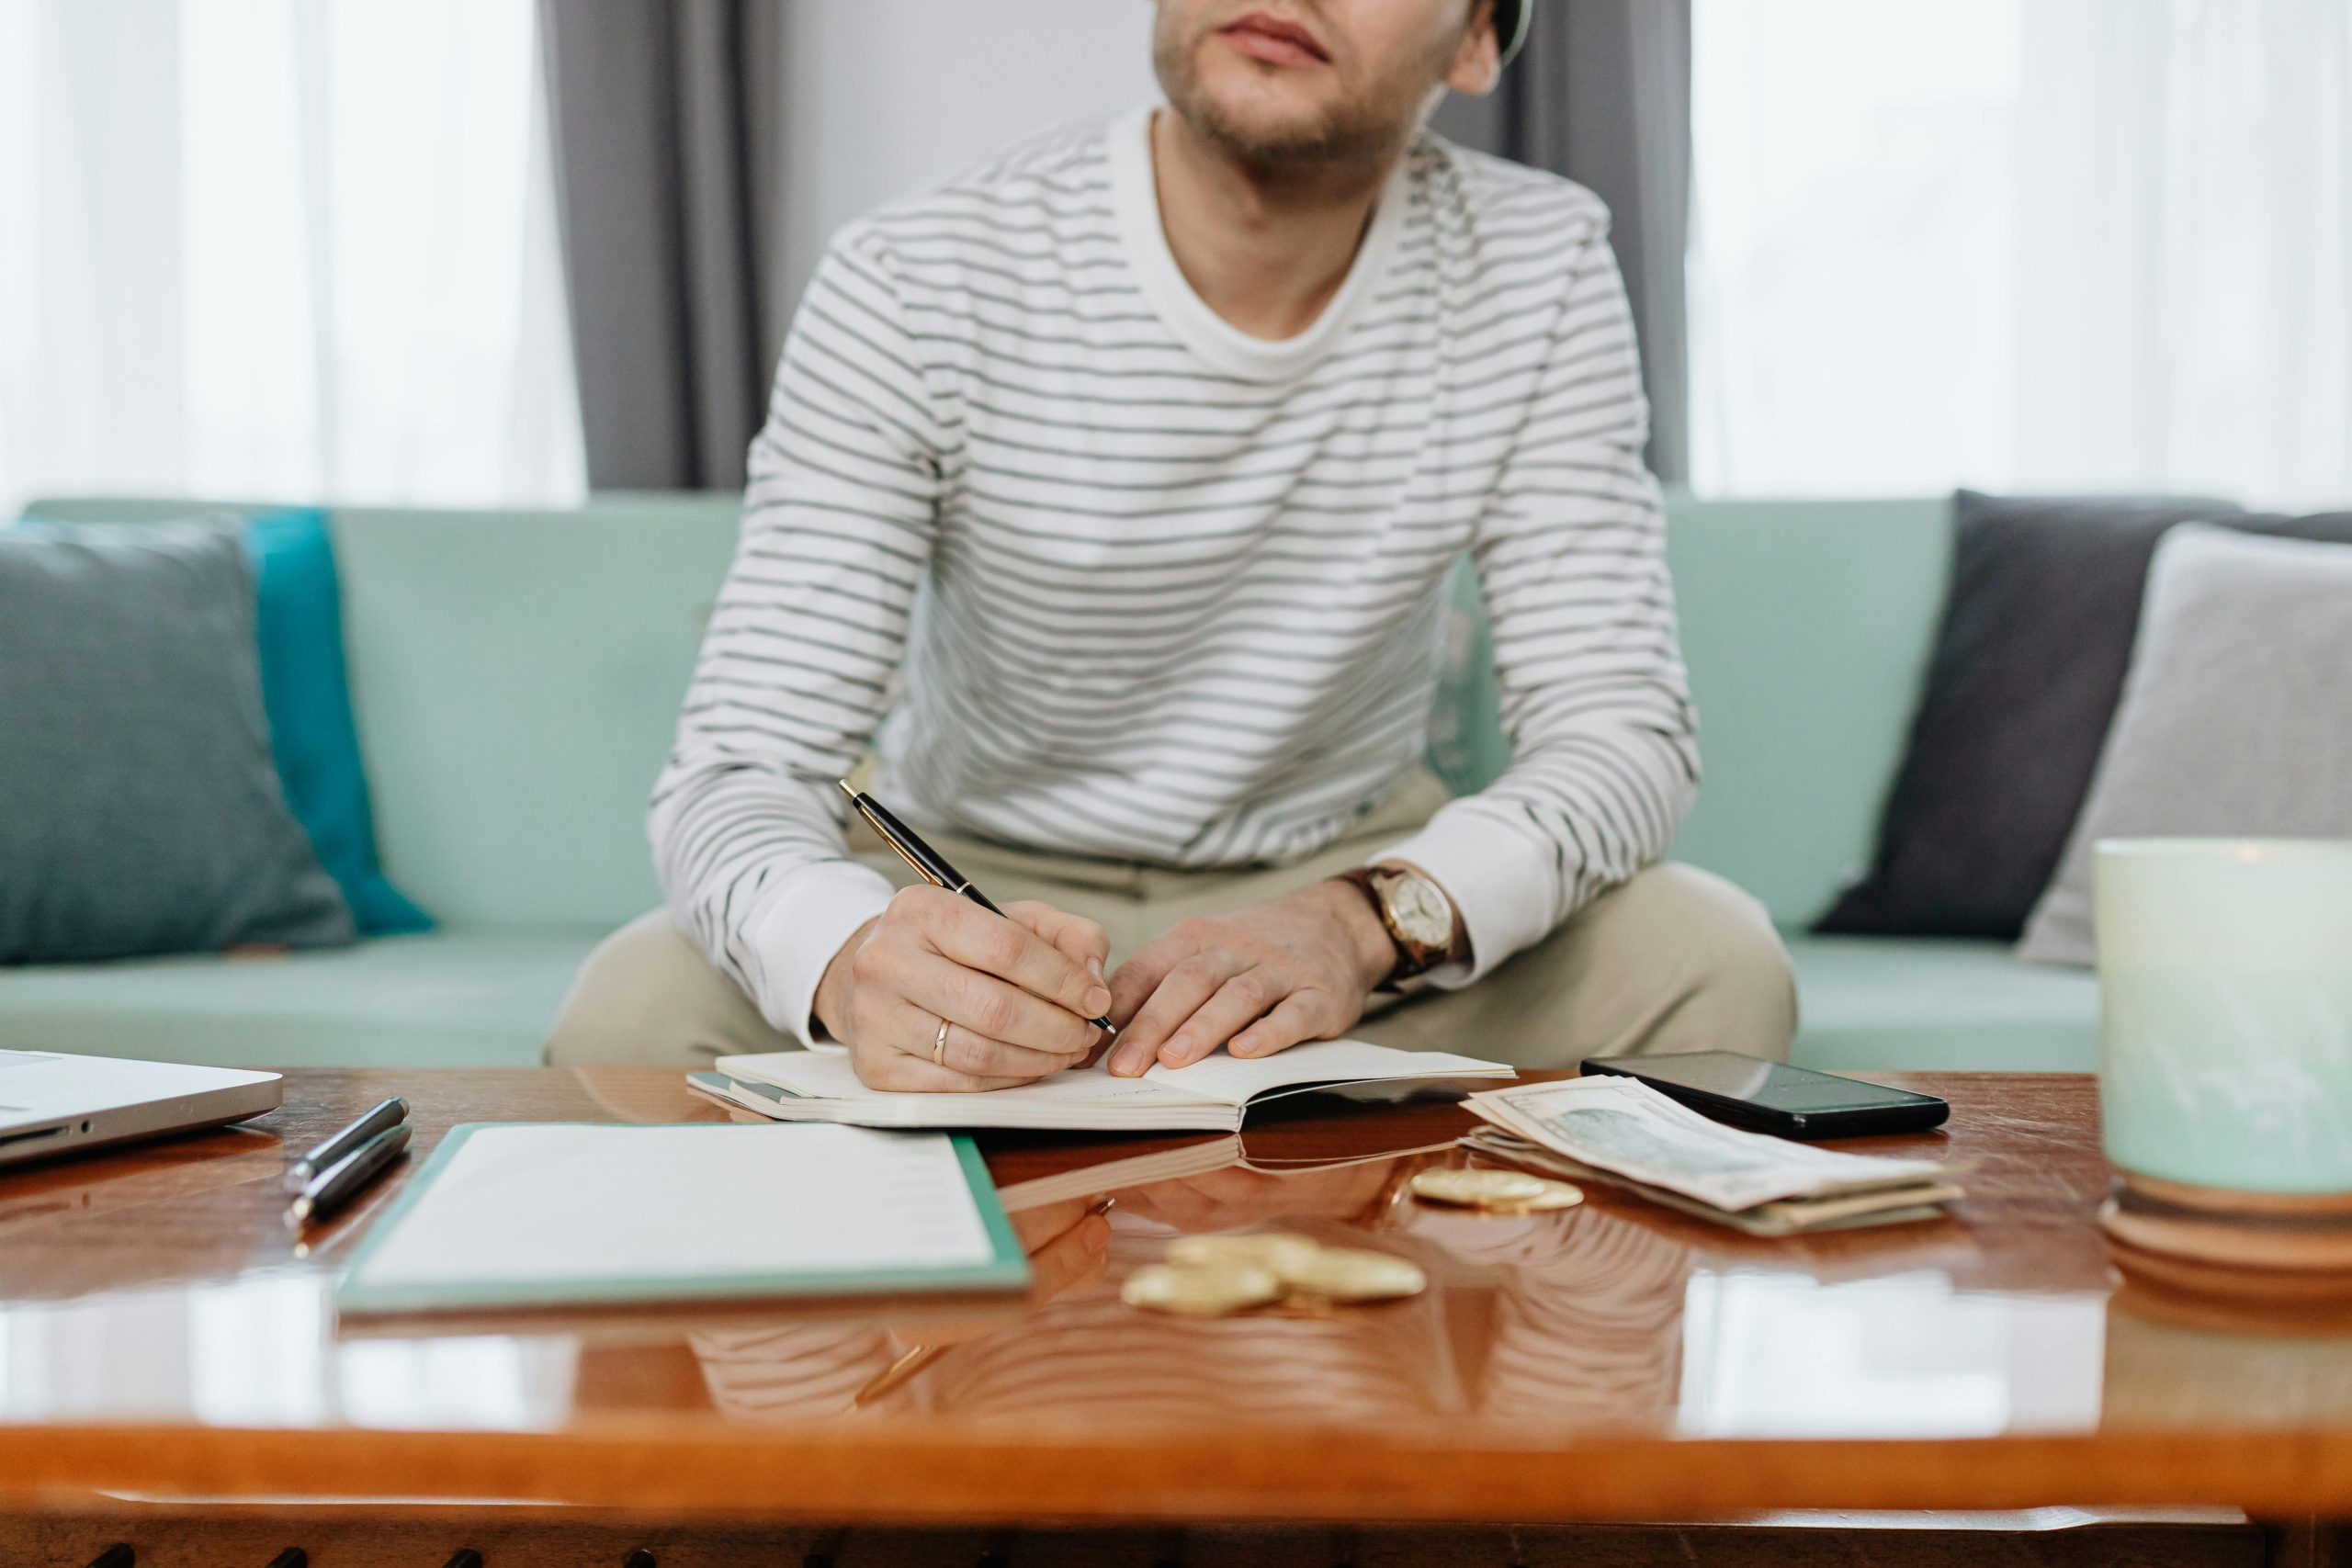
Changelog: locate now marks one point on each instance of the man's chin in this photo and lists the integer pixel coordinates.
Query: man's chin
(1264, 120)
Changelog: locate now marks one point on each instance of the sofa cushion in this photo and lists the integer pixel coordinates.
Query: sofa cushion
(143, 812)
(488, 998)
(1890, 1004)
(446, 999)
(518, 677)
(2234, 721)
(2029, 662)
(1806, 624)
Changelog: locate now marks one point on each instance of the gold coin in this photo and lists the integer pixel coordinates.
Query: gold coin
(1555, 1195)
(1276, 1250)
(1350, 1274)
(1477, 1189)
(1201, 1290)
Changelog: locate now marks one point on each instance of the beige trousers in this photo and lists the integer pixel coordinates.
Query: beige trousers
(1675, 959)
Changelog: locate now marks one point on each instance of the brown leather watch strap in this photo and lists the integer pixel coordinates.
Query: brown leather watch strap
(1412, 957)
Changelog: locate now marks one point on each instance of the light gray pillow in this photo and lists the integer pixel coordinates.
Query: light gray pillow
(2236, 718)
(140, 810)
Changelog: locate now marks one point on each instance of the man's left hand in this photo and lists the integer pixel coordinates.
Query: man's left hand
(1255, 982)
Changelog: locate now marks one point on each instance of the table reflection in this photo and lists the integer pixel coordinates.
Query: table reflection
(1776, 1354)
(2179, 1362)
(1610, 1316)
(1588, 1319)
(262, 1351)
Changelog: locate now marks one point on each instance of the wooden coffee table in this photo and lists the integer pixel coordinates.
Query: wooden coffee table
(166, 1348)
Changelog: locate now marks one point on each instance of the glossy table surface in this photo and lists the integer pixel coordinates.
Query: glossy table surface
(161, 1335)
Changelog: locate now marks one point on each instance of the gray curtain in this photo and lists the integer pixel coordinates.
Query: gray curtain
(665, 118)
(1601, 94)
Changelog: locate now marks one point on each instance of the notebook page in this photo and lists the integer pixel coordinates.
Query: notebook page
(829, 1076)
(1235, 1079)
(559, 1202)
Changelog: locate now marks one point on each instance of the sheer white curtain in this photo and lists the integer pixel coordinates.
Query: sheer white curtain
(298, 249)
(2024, 244)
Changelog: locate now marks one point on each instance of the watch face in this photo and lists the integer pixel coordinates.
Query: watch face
(1420, 910)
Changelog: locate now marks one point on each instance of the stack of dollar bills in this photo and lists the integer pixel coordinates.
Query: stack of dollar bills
(1623, 1134)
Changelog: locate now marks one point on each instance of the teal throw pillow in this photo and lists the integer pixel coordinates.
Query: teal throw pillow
(298, 630)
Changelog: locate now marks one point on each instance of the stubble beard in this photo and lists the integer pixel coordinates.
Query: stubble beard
(1365, 130)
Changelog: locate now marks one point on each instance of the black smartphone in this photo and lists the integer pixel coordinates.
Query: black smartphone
(1772, 1097)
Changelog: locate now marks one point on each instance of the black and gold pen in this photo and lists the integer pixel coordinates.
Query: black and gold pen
(928, 863)
(331, 1189)
(387, 1114)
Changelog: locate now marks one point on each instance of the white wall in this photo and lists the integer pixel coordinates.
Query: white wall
(887, 97)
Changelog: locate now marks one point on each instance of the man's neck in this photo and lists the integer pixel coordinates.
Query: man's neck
(1263, 247)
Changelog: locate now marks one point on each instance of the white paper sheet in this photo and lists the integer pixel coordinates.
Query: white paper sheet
(1219, 1079)
(562, 1203)
(824, 1075)
(1235, 1079)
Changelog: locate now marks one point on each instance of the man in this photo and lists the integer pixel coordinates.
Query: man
(1179, 423)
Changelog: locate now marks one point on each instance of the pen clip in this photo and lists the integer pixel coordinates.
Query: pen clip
(890, 838)
(919, 869)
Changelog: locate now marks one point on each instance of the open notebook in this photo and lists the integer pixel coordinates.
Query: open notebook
(821, 1086)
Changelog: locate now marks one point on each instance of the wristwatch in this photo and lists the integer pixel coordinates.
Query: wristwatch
(1416, 913)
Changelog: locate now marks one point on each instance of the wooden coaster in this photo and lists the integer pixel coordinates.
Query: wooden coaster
(2271, 1246)
(2230, 1291)
(2222, 1200)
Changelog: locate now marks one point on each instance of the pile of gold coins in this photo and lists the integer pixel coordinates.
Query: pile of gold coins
(1495, 1192)
(1216, 1275)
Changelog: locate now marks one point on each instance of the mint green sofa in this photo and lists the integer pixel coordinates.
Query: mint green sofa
(516, 676)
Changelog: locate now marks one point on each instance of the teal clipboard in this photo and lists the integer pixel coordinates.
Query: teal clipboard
(1007, 1268)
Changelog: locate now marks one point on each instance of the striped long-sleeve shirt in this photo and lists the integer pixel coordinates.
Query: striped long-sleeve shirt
(1161, 591)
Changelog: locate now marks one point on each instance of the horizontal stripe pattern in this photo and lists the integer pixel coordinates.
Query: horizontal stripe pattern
(1090, 585)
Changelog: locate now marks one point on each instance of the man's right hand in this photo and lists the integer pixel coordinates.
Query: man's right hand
(1016, 990)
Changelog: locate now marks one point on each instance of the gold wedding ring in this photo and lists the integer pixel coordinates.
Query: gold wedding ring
(939, 1046)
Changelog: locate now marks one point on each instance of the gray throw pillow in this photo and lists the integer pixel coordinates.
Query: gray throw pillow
(2236, 718)
(2029, 664)
(140, 810)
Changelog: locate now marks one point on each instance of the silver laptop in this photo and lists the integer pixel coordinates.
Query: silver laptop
(52, 1104)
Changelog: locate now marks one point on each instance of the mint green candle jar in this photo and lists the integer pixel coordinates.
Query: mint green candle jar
(2225, 981)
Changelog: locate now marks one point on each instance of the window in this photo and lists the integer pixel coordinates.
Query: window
(2069, 245)
(269, 249)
